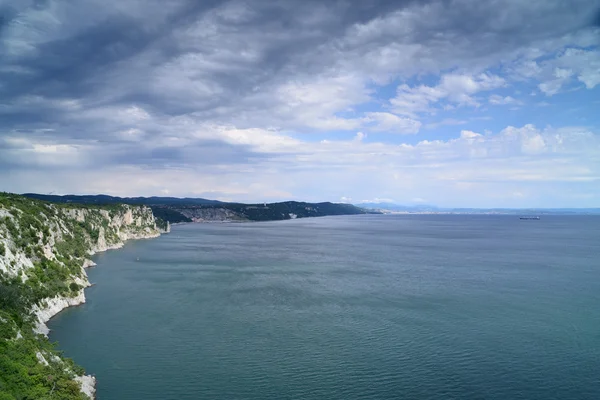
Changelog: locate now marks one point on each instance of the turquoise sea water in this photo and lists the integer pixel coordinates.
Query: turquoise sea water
(362, 307)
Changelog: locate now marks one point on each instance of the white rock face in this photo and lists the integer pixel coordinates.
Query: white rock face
(54, 306)
(88, 385)
(47, 249)
(76, 214)
(13, 263)
(128, 218)
(41, 358)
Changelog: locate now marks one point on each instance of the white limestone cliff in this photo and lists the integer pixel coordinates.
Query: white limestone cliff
(96, 229)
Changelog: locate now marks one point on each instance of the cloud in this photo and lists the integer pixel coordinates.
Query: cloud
(387, 122)
(18, 151)
(455, 88)
(376, 200)
(248, 71)
(564, 69)
(359, 137)
(254, 100)
(469, 135)
(513, 157)
(506, 100)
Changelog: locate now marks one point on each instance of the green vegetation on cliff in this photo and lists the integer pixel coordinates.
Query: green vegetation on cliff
(24, 376)
(43, 247)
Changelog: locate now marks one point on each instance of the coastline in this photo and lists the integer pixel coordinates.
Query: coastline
(59, 303)
(44, 251)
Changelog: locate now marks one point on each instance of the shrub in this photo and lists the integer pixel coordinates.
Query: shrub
(74, 287)
(11, 227)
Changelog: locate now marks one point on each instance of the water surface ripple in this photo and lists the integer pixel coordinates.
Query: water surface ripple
(363, 307)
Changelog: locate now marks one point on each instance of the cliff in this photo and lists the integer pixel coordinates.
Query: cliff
(44, 250)
(198, 214)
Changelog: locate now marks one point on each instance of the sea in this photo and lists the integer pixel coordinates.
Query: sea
(350, 307)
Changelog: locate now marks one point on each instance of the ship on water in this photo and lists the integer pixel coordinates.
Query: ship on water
(529, 217)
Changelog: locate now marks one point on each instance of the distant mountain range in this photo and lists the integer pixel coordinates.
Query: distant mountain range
(174, 210)
(425, 208)
(105, 199)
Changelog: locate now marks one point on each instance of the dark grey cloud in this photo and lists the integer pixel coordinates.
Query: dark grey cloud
(102, 57)
(118, 52)
(596, 18)
(7, 14)
(95, 56)
(79, 62)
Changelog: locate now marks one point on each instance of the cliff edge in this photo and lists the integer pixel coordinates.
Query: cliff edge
(44, 250)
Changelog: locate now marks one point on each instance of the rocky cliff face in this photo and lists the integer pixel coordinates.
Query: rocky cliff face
(54, 231)
(44, 250)
(198, 214)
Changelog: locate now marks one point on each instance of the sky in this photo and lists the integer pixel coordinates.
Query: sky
(456, 103)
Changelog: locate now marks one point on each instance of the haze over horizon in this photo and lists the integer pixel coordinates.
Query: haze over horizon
(453, 103)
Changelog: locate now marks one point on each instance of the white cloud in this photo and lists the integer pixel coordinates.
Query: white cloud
(59, 149)
(534, 145)
(135, 113)
(499, 100)
(412, 101)
(527, 69)
(458, 89)
(308, 103)
(387, 122)
(530, 139)
(283, 167)
(553, 86)
(129, 115)
(469, 134)
(132, 134)
(585, 63)
(564, 69)
(359, 137)
(261, 140)
(23, 152)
